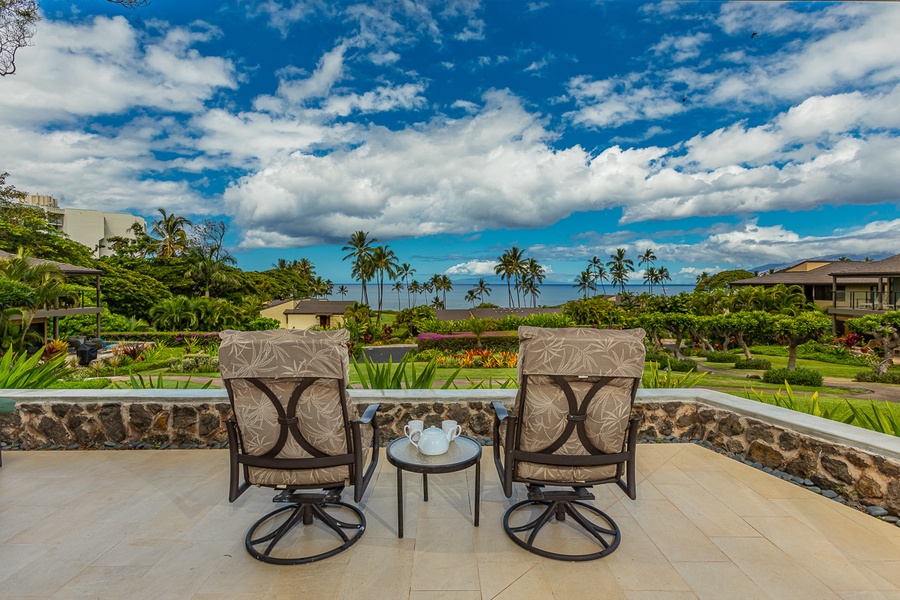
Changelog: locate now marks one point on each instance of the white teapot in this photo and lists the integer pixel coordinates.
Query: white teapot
(432, 441)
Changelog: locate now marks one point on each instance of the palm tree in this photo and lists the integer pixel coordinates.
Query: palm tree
(359, 249)
(173, 314)
(647, 258)
(482, 289)
(404, 273)
(437, 284)
(384, 262)
(619, 268)
(533, 277)
(342, 290)
(398, 287)
(510, 266)
(651, 276)
(472, 297)
(171, 230)
(208, 271)
(415, 287)
(585, 282)
(662, 275)
(446, 286)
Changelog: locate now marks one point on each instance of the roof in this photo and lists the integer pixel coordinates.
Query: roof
(65, 268)
(313, 306)
(887, 266)
(818, 276)
(274, 303)
(453, 314)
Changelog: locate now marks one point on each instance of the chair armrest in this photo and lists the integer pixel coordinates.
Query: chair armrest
(500, 410)
(368, 415)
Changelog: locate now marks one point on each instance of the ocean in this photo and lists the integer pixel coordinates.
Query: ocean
(552, 294)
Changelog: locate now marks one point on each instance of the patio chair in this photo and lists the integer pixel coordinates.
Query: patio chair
(294, 430)
(570, 427)
(103, 344)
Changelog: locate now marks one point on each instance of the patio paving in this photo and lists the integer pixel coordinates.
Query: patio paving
(157, 524)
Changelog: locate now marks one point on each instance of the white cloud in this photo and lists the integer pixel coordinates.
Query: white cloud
(620, 100)
(103, 67)
(681, 48)
(473, 267)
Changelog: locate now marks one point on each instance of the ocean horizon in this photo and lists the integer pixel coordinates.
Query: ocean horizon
(551, 294)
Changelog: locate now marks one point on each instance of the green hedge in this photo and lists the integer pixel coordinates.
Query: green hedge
(461, 342)
(720, 357)
(798, 376)
(872, 377)
(168, 338)
(87, 384)
(753, 363)
(194, 363)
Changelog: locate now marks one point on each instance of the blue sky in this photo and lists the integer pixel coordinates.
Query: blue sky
(454, 130)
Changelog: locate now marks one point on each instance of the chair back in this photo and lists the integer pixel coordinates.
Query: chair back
(288, 392)
(577, 388)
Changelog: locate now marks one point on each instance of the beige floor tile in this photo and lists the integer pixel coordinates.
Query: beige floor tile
(592, 580)
(533, 585)
(495, 577)
(764, 484)
(776, 573)
(672, 532)
(835, 567)
(889, 570)
(381, 565)
(639, 565)
(185, 568)
(889, 595)
(444, 595)
(104, 582)
(731, 491)
(15, 556)
(695, 458)
(320, 580)
(718, 581)
(669, 474)
(642, 595)
(705, 511)
(830, 519)
(444, 557)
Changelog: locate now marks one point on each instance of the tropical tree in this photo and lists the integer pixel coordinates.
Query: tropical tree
(174, 314)
(884, 329)
(398, 287)
(472, 297)
(172, 233)
(799, 329)
(209, 272)
(25, 286)
(662, 276)
(619, 268)
(600, 275)
(384, 263)
(648, 258)
(482, 289)
(359, 250)
(342, 290)
(532, 278)
(651, 276)
(585, 282)
(510, 267)
(405, 272)
(415, 287)
(446, 286)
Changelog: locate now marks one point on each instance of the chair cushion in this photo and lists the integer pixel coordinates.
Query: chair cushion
(284, 353)
(581, 351)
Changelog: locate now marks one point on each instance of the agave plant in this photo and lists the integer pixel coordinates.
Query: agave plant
(139, 383)
(20, 371)
(884, 418)
(388, 376)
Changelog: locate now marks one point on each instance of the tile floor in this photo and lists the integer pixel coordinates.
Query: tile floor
(145, 524)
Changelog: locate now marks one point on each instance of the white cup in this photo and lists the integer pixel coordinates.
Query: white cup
(451, 428)
(414, 428)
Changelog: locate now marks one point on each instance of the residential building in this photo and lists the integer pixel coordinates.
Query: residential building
(89, 227)
(306, 313)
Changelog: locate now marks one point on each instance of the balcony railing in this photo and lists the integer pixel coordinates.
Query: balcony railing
(867, 300)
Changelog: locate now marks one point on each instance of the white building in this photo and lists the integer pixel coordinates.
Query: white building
(88, 227)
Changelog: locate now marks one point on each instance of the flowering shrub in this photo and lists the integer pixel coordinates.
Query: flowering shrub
(849, 340)
(460, 342)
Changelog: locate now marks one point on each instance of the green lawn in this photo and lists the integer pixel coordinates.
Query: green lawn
(779, 362)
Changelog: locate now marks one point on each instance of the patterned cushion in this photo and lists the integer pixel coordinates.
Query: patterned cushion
(279, 359)
(581, 357)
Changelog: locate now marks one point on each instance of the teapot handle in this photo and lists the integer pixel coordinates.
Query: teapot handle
(414, 437)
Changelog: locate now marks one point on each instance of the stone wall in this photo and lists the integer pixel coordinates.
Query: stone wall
(781, 441)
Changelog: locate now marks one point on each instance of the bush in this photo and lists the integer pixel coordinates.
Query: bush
(194, 363)
(872, 377)
(682, 366)
(801, 376)
(167, 338)
(720, 357)
(460, 342)
(87, 384)
(752, 363)
(658, 357)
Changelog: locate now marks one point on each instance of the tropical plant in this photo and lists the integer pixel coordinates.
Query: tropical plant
(585, 283)
(655, 379)
(885, 418)
(209, 271)
(172, 233)
(359, 250)
(885, 330)
(19, 371)
(796, 330)
(388, 376)
(509, 267)
(139, 383)
(619, 268)
(792, 402)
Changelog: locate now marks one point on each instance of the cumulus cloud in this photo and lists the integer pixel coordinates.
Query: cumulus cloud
(618, 101)
(473, 267)
(681, 48)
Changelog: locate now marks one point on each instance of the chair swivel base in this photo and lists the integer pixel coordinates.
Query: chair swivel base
(558, 505)
(304, 509)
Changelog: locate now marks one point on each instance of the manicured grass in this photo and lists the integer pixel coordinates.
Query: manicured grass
(779, 362)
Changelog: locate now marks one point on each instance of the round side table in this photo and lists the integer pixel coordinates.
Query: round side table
(463, 453)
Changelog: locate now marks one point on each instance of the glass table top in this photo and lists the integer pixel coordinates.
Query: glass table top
(463, 450)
